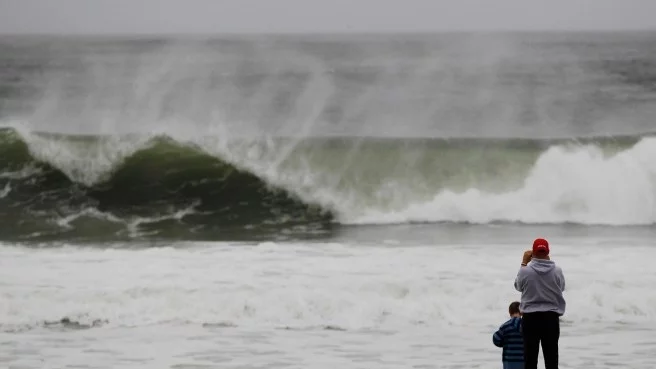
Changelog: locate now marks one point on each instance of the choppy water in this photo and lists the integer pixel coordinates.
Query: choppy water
(358, 305)
(322, 201)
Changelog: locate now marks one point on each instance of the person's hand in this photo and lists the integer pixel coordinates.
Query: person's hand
(528, 255)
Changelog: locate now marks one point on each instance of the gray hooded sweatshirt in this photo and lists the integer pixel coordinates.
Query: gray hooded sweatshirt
(541, 283)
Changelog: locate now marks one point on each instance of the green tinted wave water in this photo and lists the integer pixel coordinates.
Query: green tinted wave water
(106, 187)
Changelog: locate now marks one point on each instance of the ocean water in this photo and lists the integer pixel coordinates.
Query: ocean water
(316, 201)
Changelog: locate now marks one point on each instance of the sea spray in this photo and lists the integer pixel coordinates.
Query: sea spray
(199, 187)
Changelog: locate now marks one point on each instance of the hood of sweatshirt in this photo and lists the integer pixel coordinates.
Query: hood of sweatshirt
(542, 266)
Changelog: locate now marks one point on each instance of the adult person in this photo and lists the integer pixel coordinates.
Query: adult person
(541, 283)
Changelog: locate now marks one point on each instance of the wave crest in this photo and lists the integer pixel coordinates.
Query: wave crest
(206, 187)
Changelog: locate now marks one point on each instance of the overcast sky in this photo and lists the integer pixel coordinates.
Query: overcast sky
(218, 16)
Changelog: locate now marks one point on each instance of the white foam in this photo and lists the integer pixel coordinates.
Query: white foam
(66, 221)
(566, 184)
(25, 172)
(5, 191)
(303, 286)
(578, 185)
(85, 162)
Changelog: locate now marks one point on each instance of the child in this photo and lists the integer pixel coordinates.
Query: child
(509, 337)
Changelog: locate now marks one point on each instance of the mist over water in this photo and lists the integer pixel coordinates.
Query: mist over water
(199, 134)
(502, 85)
(322, 200)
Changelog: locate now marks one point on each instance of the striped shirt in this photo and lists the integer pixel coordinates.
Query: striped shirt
(509, 337)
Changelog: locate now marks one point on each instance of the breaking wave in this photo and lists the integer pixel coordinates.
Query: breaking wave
(54, 185)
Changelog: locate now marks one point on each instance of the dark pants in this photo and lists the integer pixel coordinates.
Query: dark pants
(541, 328)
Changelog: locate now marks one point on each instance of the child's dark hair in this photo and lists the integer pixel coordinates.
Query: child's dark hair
(513, 308)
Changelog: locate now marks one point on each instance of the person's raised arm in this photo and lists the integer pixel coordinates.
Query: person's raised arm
(528, 255)
(519, 280)
(560, 278)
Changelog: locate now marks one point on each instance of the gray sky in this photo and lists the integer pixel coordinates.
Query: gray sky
(216, 16)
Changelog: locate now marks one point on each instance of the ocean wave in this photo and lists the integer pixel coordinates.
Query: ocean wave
(205, 186)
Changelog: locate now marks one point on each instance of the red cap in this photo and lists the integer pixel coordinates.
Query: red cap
(540, 245)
